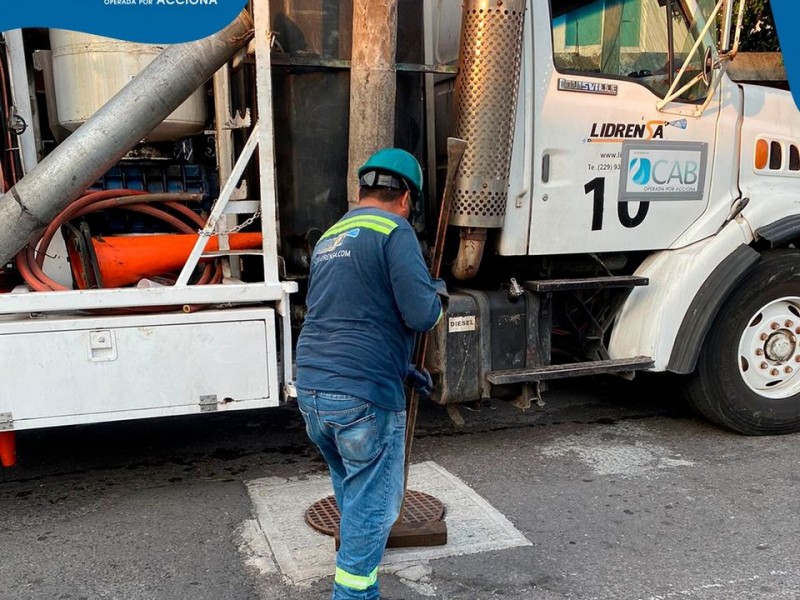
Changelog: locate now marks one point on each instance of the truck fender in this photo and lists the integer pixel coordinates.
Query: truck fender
(780, 232)
(705, 306)
(668, 319)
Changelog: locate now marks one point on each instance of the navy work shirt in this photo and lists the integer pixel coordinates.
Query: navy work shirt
(369, 292)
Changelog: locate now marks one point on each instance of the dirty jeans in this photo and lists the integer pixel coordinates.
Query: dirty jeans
(363, 445)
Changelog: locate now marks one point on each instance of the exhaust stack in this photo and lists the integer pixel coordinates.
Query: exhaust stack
(113, 130)
(486, 99)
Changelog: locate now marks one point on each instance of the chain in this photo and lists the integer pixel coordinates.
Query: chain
(236, 229)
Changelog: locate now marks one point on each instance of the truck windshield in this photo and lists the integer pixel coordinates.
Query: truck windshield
(644, 40)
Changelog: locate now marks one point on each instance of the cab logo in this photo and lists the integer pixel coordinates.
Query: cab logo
(668, 171)
(665, 175)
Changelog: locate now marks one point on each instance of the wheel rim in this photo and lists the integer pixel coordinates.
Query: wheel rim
(769, 354)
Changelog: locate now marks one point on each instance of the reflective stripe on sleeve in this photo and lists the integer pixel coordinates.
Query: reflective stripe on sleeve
(356, 582)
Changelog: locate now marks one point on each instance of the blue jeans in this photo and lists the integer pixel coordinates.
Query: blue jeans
(363, 445)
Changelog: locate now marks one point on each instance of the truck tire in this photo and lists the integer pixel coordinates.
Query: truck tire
(748, 372)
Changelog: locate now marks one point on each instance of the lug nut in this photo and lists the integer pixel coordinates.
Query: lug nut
(763, 365)
(760, 352)
(774, 326)
(774, 372)
(763, 336)
(788, 370)
(788, 323)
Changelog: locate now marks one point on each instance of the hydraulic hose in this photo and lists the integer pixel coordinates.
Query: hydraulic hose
(30, 259)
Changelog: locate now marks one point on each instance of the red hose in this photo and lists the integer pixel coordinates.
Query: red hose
(29, 260)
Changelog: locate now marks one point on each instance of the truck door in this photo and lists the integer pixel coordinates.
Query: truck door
(616, 173)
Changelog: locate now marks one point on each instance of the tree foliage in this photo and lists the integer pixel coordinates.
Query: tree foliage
(758, 27)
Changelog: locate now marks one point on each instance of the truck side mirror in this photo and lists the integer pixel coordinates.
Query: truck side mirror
(708, 66)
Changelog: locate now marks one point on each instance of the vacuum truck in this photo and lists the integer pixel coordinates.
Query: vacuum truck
(622, 205)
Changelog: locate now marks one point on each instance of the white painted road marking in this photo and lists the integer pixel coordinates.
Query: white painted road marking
(619, 450)
(719, 585)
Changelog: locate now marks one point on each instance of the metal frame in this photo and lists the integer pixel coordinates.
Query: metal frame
(266, 139)
(20, 90)
(40, 302)
(219, 209)
(224, 123)
(270, 290)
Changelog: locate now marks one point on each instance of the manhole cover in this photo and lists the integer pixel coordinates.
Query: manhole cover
(324, 516)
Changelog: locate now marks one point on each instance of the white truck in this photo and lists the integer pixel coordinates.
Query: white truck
(622, 205)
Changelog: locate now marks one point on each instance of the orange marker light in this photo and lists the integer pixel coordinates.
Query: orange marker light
(762, 154)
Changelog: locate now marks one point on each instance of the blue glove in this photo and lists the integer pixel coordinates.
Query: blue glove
(441, 287)
(441, 290)
(420, 381)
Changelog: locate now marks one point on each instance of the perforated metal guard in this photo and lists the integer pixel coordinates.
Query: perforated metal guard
(324, 516)
(486, 98)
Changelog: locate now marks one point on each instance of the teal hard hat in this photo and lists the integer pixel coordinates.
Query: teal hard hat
(394, 162)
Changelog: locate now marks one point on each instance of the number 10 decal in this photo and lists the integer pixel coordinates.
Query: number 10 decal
(598, 188)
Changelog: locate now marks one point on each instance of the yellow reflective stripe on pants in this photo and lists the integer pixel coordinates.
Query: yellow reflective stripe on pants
(356, 582)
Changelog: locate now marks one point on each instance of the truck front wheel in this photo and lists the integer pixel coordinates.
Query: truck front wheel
(748, 373)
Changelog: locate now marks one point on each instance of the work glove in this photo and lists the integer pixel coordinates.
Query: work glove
(420, 380)
(441, 290)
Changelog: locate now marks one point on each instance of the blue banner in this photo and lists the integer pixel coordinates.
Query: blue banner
(787, 17)
(147, 21)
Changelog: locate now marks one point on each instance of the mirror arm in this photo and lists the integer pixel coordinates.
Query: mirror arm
(725, 43)
(670, 45)
(671, 94)
(731, 54)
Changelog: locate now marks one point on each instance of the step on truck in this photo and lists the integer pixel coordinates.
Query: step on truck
(622, 205)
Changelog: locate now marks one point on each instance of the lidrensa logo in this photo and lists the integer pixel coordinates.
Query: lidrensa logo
(617, 132)
(147, 21)
(663, 171)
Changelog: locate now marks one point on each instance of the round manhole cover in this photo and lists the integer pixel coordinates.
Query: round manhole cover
(324, 516)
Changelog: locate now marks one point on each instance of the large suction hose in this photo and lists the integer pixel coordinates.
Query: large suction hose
(29, 206)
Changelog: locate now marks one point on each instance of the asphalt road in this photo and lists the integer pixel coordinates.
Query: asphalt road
(623, 492)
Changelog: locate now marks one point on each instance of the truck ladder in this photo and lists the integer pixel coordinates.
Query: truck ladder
(602, 364)
(586, 283)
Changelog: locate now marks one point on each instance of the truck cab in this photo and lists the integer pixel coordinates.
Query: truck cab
(636, 156)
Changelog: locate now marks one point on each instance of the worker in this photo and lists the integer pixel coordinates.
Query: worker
(369, 292)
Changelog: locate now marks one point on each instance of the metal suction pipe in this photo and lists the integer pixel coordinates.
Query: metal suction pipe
(28, 207)
(470, 253)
